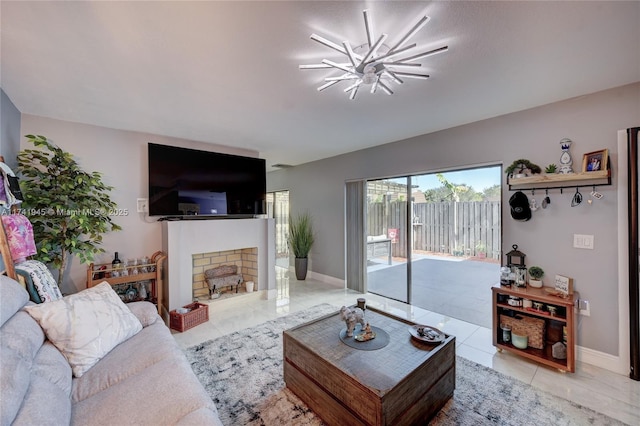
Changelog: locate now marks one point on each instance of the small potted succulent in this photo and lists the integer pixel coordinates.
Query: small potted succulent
(551, 168)
(535, 276)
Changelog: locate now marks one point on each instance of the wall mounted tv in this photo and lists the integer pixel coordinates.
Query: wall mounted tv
(186, 182)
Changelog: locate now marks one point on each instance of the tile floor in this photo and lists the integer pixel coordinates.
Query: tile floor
(609, 393)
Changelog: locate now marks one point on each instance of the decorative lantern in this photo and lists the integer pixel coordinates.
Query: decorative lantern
(515, 257)
(515, 261)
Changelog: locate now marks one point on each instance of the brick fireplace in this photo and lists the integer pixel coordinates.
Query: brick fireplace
(246, 259)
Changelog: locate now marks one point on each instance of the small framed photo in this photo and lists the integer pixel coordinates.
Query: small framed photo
(595, 161)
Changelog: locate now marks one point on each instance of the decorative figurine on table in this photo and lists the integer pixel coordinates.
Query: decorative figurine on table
(366, 335)
(351, 316)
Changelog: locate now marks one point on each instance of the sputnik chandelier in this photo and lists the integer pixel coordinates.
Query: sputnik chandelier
(373, 63)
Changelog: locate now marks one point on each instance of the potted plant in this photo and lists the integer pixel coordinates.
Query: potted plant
(69, 208)
(300, 241)
(481, 250)
(520, 167)
(535, 276)
(551, 168)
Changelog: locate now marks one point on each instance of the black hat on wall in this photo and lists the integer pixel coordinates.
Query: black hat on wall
(520, 209)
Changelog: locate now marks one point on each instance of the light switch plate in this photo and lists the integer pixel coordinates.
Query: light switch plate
(142, 205)
(582, 241)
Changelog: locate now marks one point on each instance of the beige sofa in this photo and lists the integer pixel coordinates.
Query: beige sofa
(144, 380)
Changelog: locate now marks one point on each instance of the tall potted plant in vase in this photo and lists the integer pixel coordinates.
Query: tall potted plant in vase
(300, 241)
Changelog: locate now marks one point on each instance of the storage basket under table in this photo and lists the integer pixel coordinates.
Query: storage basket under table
(524, 325)
(198, 314)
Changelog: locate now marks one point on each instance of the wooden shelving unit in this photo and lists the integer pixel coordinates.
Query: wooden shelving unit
(97, 273)
(560, 181)
(566, 317)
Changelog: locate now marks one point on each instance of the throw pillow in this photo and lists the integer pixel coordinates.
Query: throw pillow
(85, 326)
(39, 281)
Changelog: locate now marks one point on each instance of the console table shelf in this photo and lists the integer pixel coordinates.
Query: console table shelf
(565, 319)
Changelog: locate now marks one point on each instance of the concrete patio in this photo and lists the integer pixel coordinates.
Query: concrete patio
(453, 286)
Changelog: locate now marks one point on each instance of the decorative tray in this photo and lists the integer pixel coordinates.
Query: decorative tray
(427, 334)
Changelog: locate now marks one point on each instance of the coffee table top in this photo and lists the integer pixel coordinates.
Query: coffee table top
(379, 370)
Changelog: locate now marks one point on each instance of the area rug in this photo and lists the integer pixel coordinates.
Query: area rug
(242, 372)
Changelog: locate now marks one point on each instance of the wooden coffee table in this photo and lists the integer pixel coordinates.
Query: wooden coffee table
(407, 382)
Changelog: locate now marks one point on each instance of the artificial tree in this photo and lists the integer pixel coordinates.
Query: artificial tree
(70, 209)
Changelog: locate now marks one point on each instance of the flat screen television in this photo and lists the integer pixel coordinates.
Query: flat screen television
(186, 182)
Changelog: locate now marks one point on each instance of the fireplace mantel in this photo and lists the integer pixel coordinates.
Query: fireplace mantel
(182, 239)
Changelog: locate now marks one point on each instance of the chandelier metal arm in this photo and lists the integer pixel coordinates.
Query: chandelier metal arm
(354, 86)
(402, 64)
(372, 52)
(336, 65)
(353, 93)
(391, 54)
(328, 43)
(350, 53)
(386, 88)
(417, 27)
(424, 54)
(393, 76)
(342, 78)
(326, 85)
(314, 66)
(412, 75)
(368, 26)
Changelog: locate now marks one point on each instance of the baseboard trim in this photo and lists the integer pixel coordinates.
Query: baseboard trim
(603, 360)
(332, 281)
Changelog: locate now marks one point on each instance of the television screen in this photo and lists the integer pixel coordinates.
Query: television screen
(189, 182)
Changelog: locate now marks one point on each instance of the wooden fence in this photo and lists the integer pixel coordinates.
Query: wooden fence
(462, 229)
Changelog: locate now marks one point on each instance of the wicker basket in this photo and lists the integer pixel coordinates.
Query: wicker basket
(198, 314)
(525, 325)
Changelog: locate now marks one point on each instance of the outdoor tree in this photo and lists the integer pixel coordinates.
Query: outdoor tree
(492, 193)
(69, 208)
(451, 192)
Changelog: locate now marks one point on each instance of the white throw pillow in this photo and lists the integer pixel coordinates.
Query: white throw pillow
(85, 326)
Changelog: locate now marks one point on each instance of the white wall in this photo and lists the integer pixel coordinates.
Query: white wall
(591, 121)
(121, 156)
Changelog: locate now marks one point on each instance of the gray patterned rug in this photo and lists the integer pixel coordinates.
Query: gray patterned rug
(242, 372)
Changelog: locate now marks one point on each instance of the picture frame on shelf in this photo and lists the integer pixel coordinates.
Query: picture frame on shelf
(564, 285)
(595, 161)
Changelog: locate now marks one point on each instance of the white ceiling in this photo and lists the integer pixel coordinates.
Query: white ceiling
(227, 72)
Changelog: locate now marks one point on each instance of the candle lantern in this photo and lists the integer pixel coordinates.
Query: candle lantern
(515, 261)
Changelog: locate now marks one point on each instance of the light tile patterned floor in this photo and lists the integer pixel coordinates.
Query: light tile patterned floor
(609, 393)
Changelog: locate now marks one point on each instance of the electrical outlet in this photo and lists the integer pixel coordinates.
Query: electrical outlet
(584, 308)
(143, 205)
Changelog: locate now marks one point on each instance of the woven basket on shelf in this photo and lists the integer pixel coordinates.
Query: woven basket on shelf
(198, 314)
(525, 325)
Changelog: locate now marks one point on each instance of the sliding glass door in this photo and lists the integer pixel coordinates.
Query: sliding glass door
(386, 219)
(278, 208)
(434, 240)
